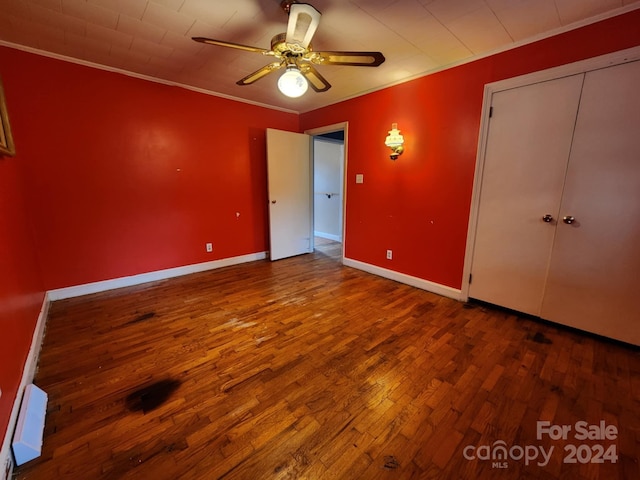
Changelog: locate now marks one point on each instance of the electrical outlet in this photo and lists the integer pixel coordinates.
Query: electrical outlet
(389, 254)
(209, 247)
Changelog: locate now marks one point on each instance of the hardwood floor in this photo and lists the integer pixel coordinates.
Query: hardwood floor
(305, 369)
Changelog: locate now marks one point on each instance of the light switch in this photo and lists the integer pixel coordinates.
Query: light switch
(359, 178)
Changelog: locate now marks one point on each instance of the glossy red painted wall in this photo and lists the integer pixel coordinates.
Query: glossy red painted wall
(21, 288)
(128, 176)
(419, 205)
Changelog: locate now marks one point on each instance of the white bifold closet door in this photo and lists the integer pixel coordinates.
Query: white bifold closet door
(558, 225)
(595, 264)
(528, 144)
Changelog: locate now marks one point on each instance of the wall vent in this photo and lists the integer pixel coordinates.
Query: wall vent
(27, 440)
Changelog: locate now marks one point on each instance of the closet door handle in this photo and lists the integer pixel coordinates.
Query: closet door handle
(568, 219)
(547, 218)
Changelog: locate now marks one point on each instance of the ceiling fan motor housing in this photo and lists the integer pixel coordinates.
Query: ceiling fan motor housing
(280, 46)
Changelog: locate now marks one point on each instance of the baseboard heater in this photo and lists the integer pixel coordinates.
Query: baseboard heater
(27, 439)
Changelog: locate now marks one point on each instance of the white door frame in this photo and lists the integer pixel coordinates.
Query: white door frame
(604, 61)
(344, 126)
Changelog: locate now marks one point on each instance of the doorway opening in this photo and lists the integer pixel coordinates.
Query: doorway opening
(328, 166)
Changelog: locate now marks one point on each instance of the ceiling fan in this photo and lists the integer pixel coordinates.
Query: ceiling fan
(293, 52)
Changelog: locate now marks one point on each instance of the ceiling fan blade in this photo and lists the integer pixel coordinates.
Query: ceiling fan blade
(303, 23)
(262, 72)
(357, 59)
(222, 43)
(317, 81)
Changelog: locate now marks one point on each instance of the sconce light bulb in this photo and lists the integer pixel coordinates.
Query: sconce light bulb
(395, 141)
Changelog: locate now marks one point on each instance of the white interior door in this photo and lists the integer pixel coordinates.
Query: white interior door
(592, 282)
(290, 205)
(527, 148)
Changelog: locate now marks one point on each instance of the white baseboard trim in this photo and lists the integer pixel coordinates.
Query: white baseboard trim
(432, 287)
(29, 371)
(105, 285)
(328, 236)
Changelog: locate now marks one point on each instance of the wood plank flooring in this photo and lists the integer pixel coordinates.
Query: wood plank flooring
(305, 369)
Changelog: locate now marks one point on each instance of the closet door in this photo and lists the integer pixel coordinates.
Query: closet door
(595, 265)
(524, 166)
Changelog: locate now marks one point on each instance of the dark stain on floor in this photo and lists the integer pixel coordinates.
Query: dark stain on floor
(152, 396)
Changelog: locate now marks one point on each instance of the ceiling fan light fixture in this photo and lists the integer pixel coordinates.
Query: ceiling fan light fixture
(292, 83)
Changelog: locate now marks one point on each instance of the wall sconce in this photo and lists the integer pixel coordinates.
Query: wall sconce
(395, 141)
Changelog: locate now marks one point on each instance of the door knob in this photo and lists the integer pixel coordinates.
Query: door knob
(547, 218)
(568, 219)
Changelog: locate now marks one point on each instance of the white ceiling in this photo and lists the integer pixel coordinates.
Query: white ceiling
(152, 38)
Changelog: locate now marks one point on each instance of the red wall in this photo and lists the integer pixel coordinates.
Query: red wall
(128, 176)
(21, 288)
(419, 205)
